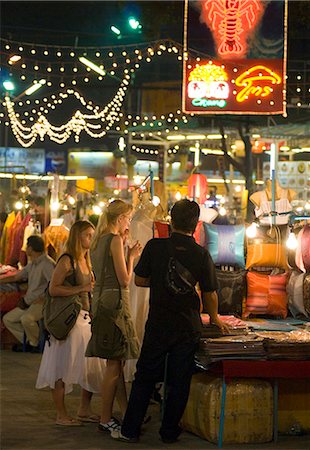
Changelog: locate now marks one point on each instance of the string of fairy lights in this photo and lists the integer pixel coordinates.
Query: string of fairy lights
(61, 68)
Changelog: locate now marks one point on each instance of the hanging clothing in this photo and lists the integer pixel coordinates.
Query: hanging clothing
(4, 237)
(141, 229)
(282, 205)
(55, 238)
(14, 256)
(11, 236)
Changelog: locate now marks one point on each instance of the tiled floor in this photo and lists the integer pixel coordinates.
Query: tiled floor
(28, 417)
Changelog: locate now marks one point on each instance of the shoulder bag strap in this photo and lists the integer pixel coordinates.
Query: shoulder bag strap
(72, 265)
(186, 272)
(105, 261)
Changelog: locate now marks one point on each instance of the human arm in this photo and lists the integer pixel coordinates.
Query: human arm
(21, 275)
(122, 268)
(210, 301)
(57, 285)
(141, 281)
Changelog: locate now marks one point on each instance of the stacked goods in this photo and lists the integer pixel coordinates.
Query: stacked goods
(248, 410)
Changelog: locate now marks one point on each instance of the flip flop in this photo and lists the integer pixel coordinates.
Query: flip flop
(92, 418)
(69, 422)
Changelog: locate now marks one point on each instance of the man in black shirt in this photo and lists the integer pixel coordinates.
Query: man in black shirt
(173, 326)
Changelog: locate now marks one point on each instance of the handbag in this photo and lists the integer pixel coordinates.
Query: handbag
(178, 281)
(60, 313)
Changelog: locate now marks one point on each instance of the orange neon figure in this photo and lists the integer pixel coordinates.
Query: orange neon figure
(230, 22)
(249, 80)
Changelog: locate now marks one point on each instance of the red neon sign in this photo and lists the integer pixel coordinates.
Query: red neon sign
(231, 22)
(241, 86)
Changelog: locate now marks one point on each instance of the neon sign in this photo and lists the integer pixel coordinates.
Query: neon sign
(236, 86)
(208, 85)
(230, 22)
(249, 78)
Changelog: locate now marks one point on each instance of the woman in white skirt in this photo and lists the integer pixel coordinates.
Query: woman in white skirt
(63, 362)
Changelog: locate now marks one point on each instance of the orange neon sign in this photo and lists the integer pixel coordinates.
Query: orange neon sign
(250, 77)
(230, 22)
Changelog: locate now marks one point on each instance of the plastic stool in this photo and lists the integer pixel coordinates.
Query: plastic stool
(41, 337)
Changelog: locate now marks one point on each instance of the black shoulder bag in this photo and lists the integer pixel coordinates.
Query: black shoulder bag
(178, 281)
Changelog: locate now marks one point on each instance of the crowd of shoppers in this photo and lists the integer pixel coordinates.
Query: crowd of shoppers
(96, 267)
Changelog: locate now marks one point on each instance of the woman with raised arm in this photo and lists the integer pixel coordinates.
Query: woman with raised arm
(113, 335)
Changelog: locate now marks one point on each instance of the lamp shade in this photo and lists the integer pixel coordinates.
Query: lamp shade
(197, 187)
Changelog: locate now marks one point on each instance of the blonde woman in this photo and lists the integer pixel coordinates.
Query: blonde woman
(113, 334)
(63, 362)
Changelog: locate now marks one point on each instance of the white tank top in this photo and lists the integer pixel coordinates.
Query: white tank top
(281, 206)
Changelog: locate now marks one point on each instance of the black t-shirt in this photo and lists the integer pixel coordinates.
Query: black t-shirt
(166, 310)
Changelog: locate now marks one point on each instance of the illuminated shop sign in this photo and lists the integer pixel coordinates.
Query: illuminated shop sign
(245, 69)
(252, 86)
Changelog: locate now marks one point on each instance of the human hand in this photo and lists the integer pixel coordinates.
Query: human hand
(87, 287)
(224, 328)
(135, 250)
(125, 236)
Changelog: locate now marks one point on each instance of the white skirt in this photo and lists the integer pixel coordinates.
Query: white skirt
(66, 360)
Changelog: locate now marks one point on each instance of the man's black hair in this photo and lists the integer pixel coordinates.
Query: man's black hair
(36, 243)
(185, 215)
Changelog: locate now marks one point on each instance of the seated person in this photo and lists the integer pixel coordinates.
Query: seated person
(24, 318)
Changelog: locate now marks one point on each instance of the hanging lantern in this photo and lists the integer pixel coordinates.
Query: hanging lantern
(197, 188)
(258, 147)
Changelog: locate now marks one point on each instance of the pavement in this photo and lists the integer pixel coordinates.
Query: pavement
(28, 419)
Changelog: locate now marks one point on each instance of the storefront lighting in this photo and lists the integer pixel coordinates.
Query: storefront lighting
(251, 231)
(55, 206)
(175, 137)
(195, 136)
(35, 87)
(222, 211)
(291, 242)
(92, 65)
(71, 200)
(178, 196)
(14, 59)
(156, 200)
(97, 210)
(19, 205)
(307, 206)
(215, 136)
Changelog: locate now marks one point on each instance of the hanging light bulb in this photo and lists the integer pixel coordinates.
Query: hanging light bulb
(178, 196)
(156, 200)
(97, 210)
(19, 204)
(291, 242)
(252, 230)
(222, 211)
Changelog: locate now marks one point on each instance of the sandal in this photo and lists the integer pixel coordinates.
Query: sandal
(92, 418)
(112, 425)
(68, 422)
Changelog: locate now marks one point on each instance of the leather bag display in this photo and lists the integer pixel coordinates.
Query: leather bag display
(231, 291)
(295, 295)
(267, 248)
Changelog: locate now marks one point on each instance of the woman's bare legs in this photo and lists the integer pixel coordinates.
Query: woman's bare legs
(121, 393)
(109, 388)
(84, 409)
(58, 395)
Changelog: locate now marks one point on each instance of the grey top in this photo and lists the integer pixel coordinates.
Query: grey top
(105, 276)
(38, 273)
